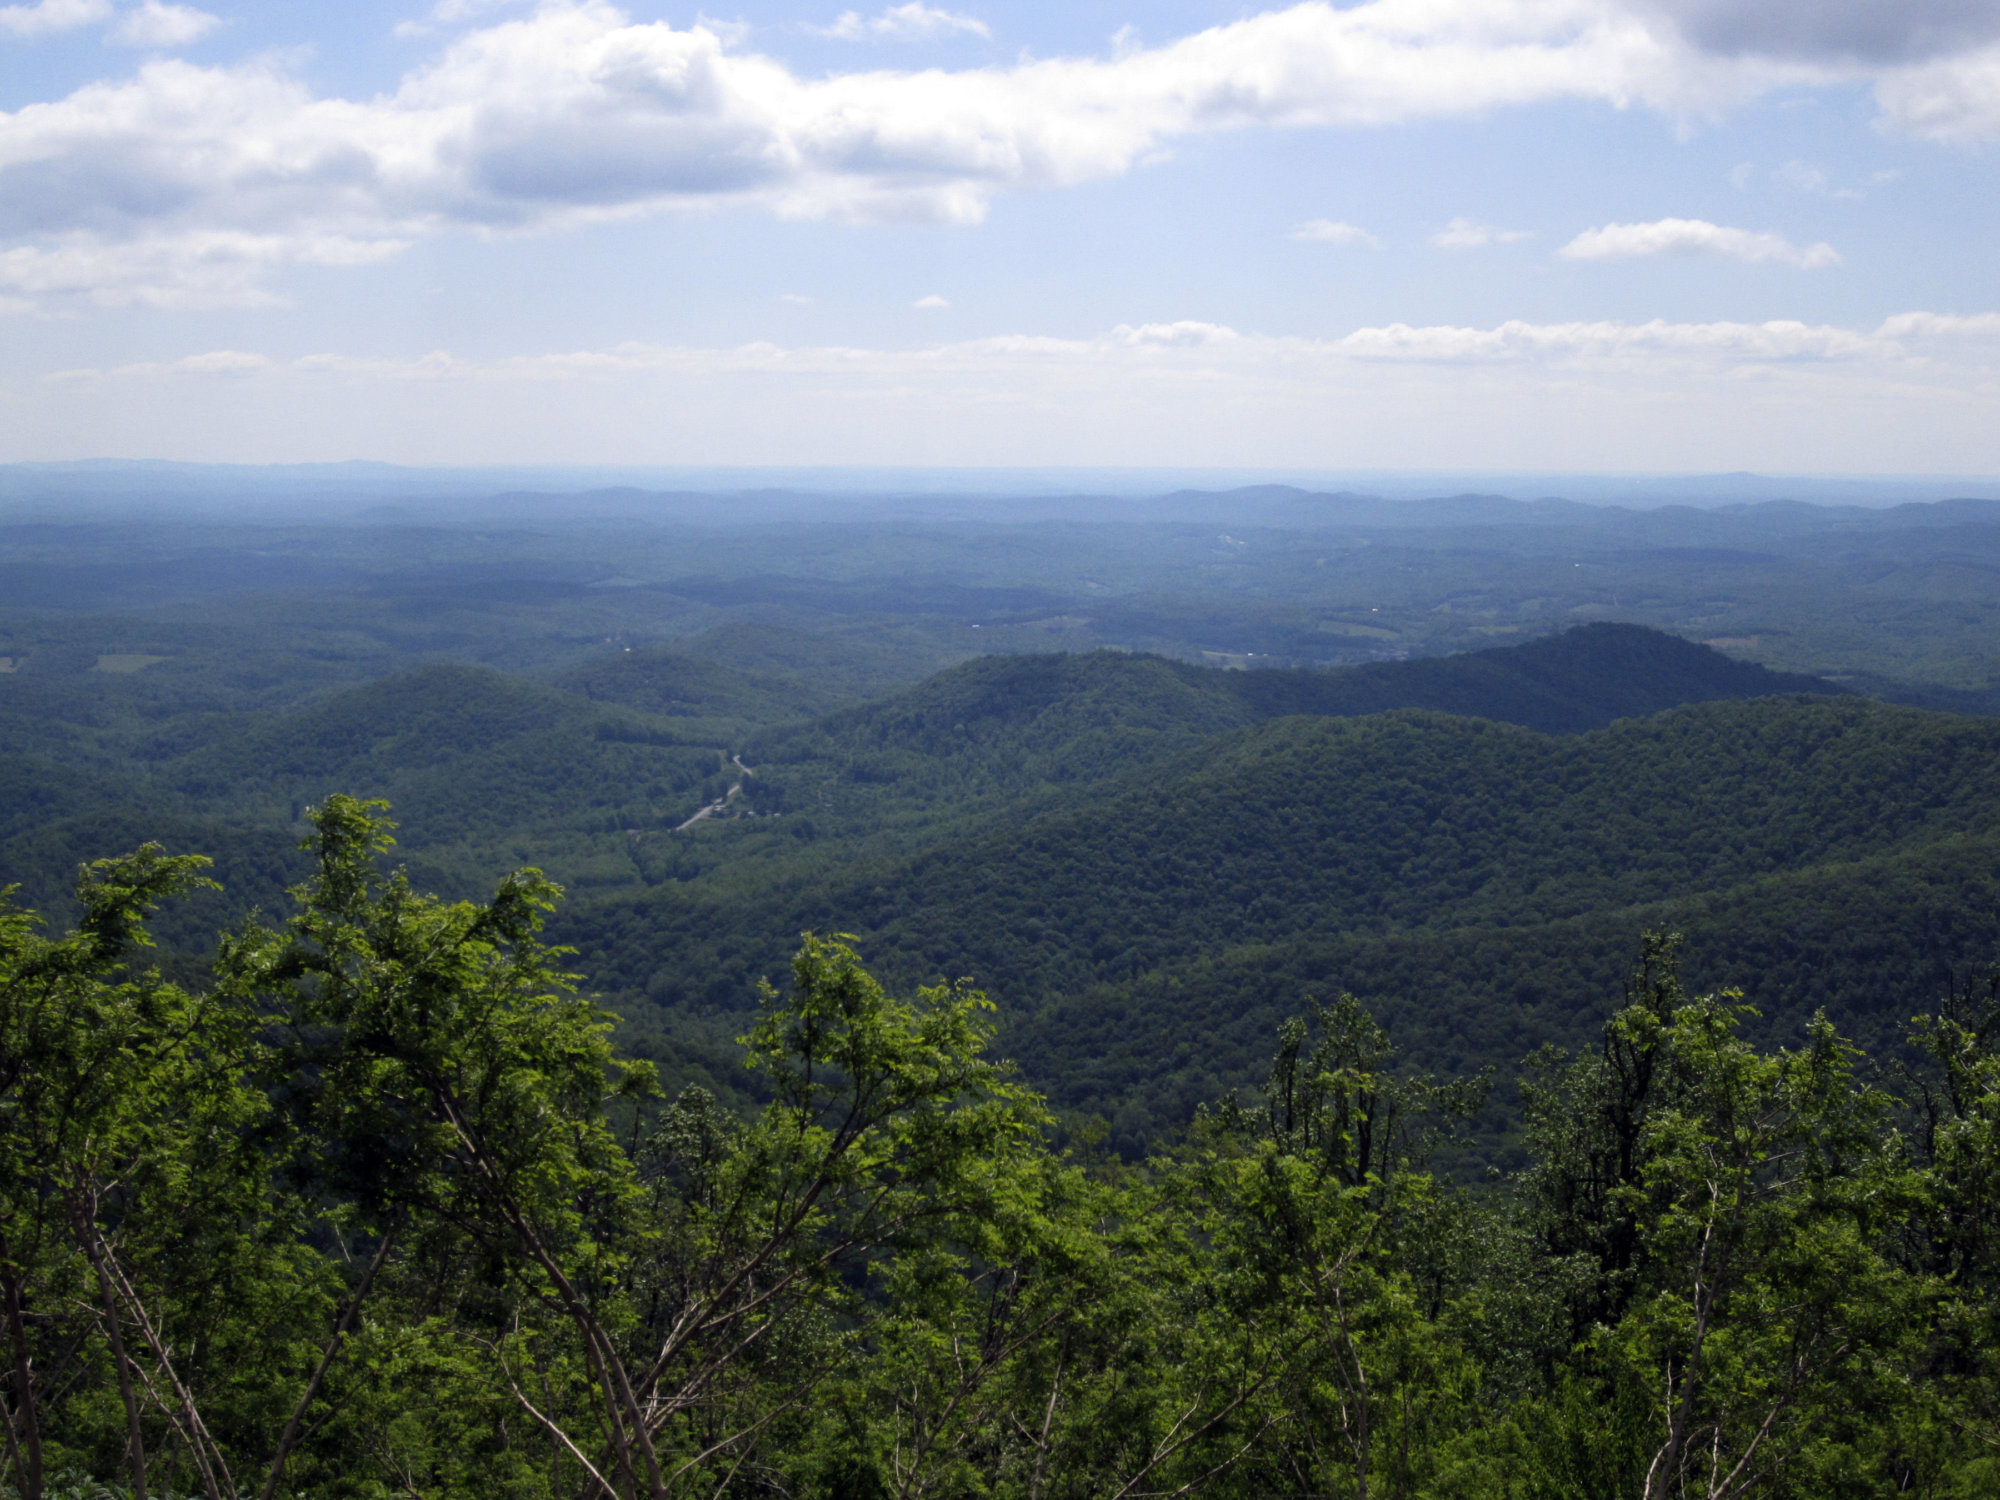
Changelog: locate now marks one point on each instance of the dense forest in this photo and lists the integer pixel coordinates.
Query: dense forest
(389, 1153)
(1285, 995)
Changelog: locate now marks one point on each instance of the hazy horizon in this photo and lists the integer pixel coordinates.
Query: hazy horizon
(164, 483)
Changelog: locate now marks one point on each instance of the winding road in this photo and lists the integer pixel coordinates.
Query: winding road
(725, 799)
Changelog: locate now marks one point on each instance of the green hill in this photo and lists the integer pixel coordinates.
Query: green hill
(36, 790)
(1000, 726)
(727, 682)
(485, 769)
(1306, 850)
(1871, 941)
(1146, 861)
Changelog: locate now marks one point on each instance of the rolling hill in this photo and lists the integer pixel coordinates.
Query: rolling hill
(1146, 861)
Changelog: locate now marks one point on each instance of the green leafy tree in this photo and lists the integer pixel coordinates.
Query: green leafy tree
(142, 1233)
(891, 1137)
(1310, 1207)
(460, 1089)
(1733, 1213)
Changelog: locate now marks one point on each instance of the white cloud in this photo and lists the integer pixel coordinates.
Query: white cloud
(1695, 237)
(449, 13)
(932, 303)
(223, 362)
(1333, 232)
(1920, 392)
(217, 268)
(573, 113)
(453, 11)
(914, 22)
(220, 362)
(1602, 342)
(155, 24)
(49, 16)
(1914, 327)
(1906, 342)
(1953, 99)
(1188, 333)
(795, 299)
(1469, 234)
(1804, 177)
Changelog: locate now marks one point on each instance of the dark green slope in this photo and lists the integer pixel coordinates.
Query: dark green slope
(1313, 829)
(1414, 819)
(837, 667)
(462, 753)
(35, 790)
(413, 721)
(661, 681)
(1561, 684)
(1872, 942)
(1001, 724)
(255, 866)
(730, 681)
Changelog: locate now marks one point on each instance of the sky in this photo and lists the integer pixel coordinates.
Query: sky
(1630, 236)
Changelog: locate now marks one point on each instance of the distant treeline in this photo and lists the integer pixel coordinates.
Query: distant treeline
(374, 1207)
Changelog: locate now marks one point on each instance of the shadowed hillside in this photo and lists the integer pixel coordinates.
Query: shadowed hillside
(1002, 725)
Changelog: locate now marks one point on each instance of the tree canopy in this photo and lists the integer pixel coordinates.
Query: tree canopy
(378, 1208)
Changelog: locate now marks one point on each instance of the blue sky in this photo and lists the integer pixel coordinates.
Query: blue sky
(1610, 235)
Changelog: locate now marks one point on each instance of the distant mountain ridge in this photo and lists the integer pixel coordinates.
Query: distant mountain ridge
(1072, 718)
(1578, 680)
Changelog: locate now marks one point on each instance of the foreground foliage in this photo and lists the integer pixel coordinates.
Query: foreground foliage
(380, 1211)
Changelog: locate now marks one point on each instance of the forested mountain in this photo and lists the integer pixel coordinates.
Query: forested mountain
(1087, 835)
(1871, 941)
(1003, 724)
(1207, 893)
(1169, 795)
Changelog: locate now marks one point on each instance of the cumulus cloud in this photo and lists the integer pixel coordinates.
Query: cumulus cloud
(914, 22)
(1935, 64)
(932, 303)
(1469, 234)
(1915, 327)
(155, 24)
(1187, 333)
(1695, 237)
(573, 112)
(1954, 99)
(48, 16)
(1333, 232)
